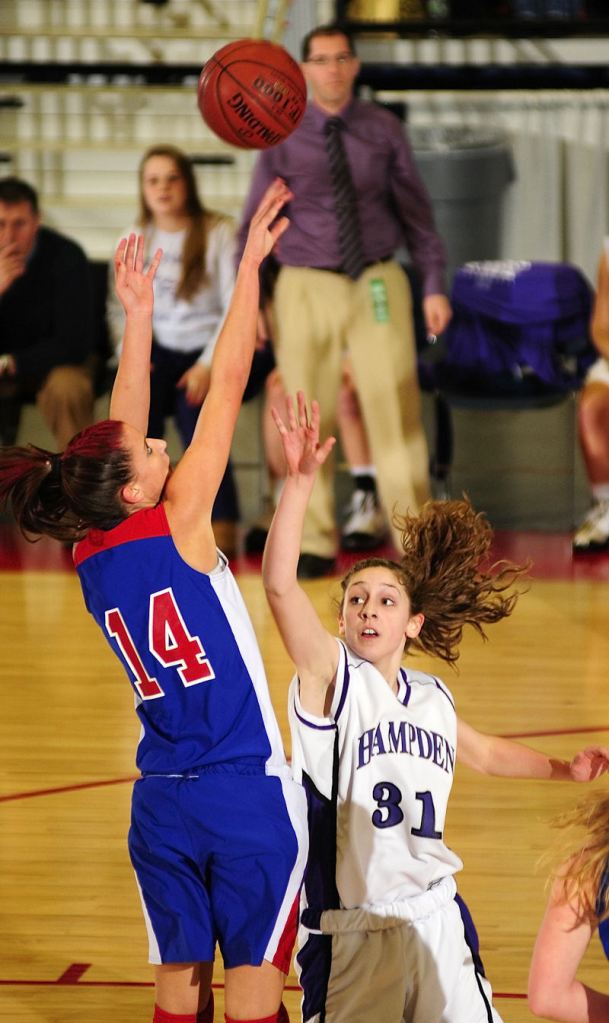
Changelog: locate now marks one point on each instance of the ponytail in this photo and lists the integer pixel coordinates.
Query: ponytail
(65, 495)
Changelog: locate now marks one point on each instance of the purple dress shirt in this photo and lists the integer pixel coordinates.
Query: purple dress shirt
(394, 207)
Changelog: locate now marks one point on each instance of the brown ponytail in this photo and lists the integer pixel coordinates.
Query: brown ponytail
(64, 495)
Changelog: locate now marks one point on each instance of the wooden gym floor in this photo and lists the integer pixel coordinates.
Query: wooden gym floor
(72, 943)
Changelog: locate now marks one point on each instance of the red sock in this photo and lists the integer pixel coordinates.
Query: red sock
(160, 1016)
(277, 1017)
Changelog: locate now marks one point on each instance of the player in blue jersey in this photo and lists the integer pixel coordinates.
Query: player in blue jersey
(218, 829)
(382, 936)
(578, 905)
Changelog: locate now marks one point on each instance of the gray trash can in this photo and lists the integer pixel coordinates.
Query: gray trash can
(466, 171)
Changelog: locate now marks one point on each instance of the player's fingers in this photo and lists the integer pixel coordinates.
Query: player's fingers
(279, 228)
(138, 255)
(130, 251)
(303, 416)
(315, 416)
(279, 423)
(276, 192)
(119, 255)
(154, 263)
(596, 751)
(273, 199)
(292, 420)
(324, 449)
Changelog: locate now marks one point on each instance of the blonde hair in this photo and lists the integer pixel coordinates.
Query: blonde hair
(581, 871)
(442, 571)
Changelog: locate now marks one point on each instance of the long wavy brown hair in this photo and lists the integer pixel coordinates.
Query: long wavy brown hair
(581, 858)
(201, 220)
(443, 571)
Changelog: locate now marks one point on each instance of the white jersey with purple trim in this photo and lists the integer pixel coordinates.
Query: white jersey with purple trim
(378, 773)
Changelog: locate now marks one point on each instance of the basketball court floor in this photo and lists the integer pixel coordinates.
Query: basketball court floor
(72, 942)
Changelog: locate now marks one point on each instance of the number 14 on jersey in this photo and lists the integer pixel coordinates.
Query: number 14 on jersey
(168, 639)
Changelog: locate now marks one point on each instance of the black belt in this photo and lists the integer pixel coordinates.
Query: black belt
(339, 269)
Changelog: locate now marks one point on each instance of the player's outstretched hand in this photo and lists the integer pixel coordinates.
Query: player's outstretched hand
(265, 229)
(300, 437)
(589, 763)
(134, 284)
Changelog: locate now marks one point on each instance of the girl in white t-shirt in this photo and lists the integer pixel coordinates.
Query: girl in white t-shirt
(192, 290)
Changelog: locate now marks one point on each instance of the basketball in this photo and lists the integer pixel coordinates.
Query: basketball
(252, 94)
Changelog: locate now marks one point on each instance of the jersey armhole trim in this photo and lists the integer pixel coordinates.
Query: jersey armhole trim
(320, 724)
(341, 688)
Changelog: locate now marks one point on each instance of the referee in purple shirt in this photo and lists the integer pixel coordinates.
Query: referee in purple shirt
(323, 313)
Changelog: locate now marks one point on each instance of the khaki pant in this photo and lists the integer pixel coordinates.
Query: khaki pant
(320, 316)
(66, 401)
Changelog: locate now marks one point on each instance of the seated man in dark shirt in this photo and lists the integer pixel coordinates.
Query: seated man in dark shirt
(46, 325)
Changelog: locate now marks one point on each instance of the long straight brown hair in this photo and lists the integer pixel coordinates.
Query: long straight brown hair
(201, 220)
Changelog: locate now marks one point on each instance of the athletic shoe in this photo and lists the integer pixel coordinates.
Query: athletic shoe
(593, 534)
(364, 528)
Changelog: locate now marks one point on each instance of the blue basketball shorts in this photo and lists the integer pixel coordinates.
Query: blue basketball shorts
(219, 858)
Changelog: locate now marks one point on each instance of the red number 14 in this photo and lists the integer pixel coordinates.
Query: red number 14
(170, 642)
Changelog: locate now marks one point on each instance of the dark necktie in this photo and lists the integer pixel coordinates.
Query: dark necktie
(349, 230)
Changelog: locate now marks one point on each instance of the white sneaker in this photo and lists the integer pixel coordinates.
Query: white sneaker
(593, 534)
(364, 528)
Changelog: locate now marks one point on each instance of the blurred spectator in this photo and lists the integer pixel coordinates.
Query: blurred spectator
(46, 320)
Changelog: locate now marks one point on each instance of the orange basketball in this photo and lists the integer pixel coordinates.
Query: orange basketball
(252, 93)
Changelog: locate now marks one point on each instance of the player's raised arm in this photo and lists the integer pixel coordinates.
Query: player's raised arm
(311, 647)
(130, 399)
(192, 488)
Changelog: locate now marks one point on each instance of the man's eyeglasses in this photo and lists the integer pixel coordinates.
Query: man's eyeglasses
(341, 59)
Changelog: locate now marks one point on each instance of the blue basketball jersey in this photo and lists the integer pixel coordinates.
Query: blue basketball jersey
(187, 644)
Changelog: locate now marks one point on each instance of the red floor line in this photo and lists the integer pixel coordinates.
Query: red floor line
(81, 983)
(73, 973)
(68, 788)
(555, 731)
(145, 983)
(116, 983)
